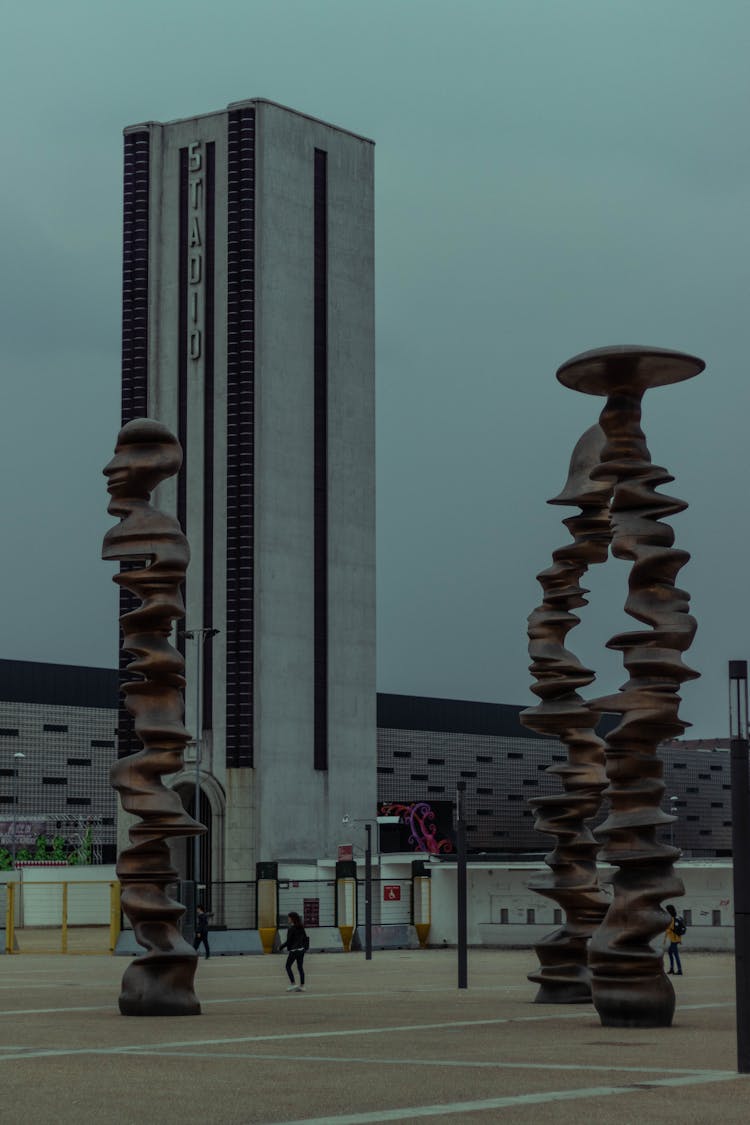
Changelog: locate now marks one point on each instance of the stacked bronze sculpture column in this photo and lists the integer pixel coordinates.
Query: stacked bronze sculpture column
(628, 982)
(563, 975)
(160, 981)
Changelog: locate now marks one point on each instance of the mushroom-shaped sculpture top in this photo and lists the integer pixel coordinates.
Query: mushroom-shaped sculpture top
(627, 367)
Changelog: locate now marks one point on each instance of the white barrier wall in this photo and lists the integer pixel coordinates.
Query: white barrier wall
(502, 911)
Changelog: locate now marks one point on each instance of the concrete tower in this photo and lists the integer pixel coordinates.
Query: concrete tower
(248, 329)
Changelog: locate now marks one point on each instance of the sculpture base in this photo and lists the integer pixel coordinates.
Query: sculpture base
(151, 988)
(647, 1001)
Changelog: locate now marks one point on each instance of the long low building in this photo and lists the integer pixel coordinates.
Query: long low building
(58, 736)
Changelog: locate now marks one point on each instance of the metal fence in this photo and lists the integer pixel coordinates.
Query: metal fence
(391, 902)
(232, 904)
(313, 899)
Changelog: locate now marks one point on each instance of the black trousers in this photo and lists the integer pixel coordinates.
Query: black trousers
(297, 955)
(202, 938)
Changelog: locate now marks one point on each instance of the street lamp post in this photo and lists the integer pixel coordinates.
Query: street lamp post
(368, 870)
(740, 777)
(199, 635)
(461, 884)
(368, 893)
(17, 757)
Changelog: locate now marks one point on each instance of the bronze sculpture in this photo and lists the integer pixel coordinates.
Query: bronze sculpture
(160, 981)
(629, 986)
(563, 975)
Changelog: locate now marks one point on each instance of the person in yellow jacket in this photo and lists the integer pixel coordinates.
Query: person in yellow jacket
(674, 941)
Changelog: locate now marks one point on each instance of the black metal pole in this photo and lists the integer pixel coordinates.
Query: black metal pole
(461, 884)
(368, 894)
(740, 777)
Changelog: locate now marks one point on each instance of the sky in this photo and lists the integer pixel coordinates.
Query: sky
(550, 177)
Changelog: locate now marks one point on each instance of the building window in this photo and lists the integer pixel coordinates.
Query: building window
(385, 769)
(54, 781)
(420, 777)
(436, 761)
(513, 754)
(468, 773)
(8, 732)
(55, 726)
(78, 800)
(530, 916)
(79, 761)
(402, 753)
(484, 758)
(102, 743)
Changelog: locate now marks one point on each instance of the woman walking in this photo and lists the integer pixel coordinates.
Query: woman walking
(296, 944)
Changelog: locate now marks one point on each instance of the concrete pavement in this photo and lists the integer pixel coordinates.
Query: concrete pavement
(389, 1040)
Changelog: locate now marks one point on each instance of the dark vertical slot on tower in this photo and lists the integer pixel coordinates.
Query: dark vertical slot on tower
(240, 435)
(208, 438)
(320, 408)
(182, 400)
(134, 342)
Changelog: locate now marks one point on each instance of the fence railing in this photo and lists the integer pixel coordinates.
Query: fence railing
(313, 899)
(391, 902)
(62, 917)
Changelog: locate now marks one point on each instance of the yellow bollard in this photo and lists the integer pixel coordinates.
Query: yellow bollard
(10, 919)
(267, 903)
(421, 900)
(114, 915)
(346, 900)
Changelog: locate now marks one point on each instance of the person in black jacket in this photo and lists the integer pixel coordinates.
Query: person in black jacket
(201, 929)
(297, 942)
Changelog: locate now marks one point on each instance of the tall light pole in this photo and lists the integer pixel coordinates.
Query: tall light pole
(740, 777)
(199, 635)
(461, 884)
(17, 757)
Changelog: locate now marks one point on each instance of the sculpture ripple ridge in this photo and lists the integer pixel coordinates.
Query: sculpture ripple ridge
(563, 974)
(160, 981)
(630, 988)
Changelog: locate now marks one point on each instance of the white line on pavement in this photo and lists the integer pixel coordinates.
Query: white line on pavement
(409, 1113)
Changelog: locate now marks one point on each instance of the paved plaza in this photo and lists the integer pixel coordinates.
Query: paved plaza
(388, 1040)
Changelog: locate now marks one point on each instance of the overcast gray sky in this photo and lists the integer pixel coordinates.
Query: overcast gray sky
(551, 176)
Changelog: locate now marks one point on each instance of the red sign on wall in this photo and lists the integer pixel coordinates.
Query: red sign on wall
(391, 893)
(346, 851)
(311, 911)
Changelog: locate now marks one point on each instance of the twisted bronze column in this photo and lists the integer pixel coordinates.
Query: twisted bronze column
(563, 975)
(628, 982)
(160, 981)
